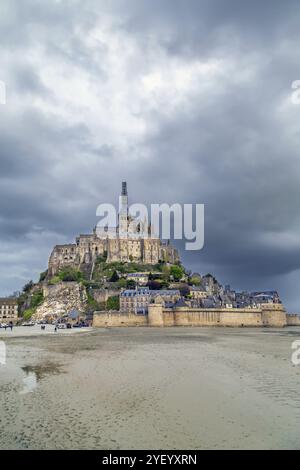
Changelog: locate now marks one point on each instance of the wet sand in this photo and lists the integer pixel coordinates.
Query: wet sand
(148, 388)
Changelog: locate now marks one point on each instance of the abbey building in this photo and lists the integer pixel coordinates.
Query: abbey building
(131, 242)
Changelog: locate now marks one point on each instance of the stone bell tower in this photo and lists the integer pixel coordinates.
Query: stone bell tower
(123, 211)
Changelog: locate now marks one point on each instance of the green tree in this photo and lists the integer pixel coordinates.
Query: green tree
(92, 304)
(154, 285)
(114, 277)
(113, 303)
(195, 281)
(177, 272)
(28, 286)
(33, 300)
(22, 301)
(122, 283)
(184, 290)
(130, 284)
(166, 272)
(28, 314)
(43, 276)
(37, 299)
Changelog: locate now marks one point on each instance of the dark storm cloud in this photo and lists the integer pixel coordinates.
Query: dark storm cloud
(188, 101)
(200, 26)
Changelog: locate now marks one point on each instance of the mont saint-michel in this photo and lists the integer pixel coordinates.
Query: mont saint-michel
(125, 247)
(132, 279)
(149, 228)
(118, 345)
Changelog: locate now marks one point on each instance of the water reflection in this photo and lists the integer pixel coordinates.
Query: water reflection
(29, 383)
(2, 353)
(36, 373)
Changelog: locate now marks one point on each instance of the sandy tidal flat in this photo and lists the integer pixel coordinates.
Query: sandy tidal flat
(148, 388)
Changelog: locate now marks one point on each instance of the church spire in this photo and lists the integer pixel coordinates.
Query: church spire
(123, 210)
(124, 188)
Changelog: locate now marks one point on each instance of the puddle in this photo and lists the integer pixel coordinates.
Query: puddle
(33, 374)
(29, 383)
(2, 353)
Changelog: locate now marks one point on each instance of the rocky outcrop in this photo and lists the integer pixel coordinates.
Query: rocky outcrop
(62, 298)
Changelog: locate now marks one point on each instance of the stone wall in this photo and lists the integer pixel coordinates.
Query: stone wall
(232, 317)
(110, 319)
(185, 316)
(272, 315)
(101, 295)
(293, 319)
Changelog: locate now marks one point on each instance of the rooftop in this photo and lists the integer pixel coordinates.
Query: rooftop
(8, 300)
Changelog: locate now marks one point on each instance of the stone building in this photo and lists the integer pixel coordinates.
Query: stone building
(198, 292)
(167, 297)
(131, 241)
(8, 310)
(137, 300)
(140, 279)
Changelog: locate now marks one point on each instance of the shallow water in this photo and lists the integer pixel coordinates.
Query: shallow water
(148, 388)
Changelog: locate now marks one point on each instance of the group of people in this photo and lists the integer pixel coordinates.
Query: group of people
(44, 326)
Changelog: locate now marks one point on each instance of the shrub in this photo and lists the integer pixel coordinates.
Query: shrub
(92, 303)
(70, 275)
(91, 284)
(54, 280)
(160, 266)
(115, 266)
(101, 259)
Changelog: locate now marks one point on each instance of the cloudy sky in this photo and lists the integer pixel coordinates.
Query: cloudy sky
(187, 100)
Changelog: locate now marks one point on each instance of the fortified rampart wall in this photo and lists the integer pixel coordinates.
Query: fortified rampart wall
(114, 319)
(272, 315)
(293, 319)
